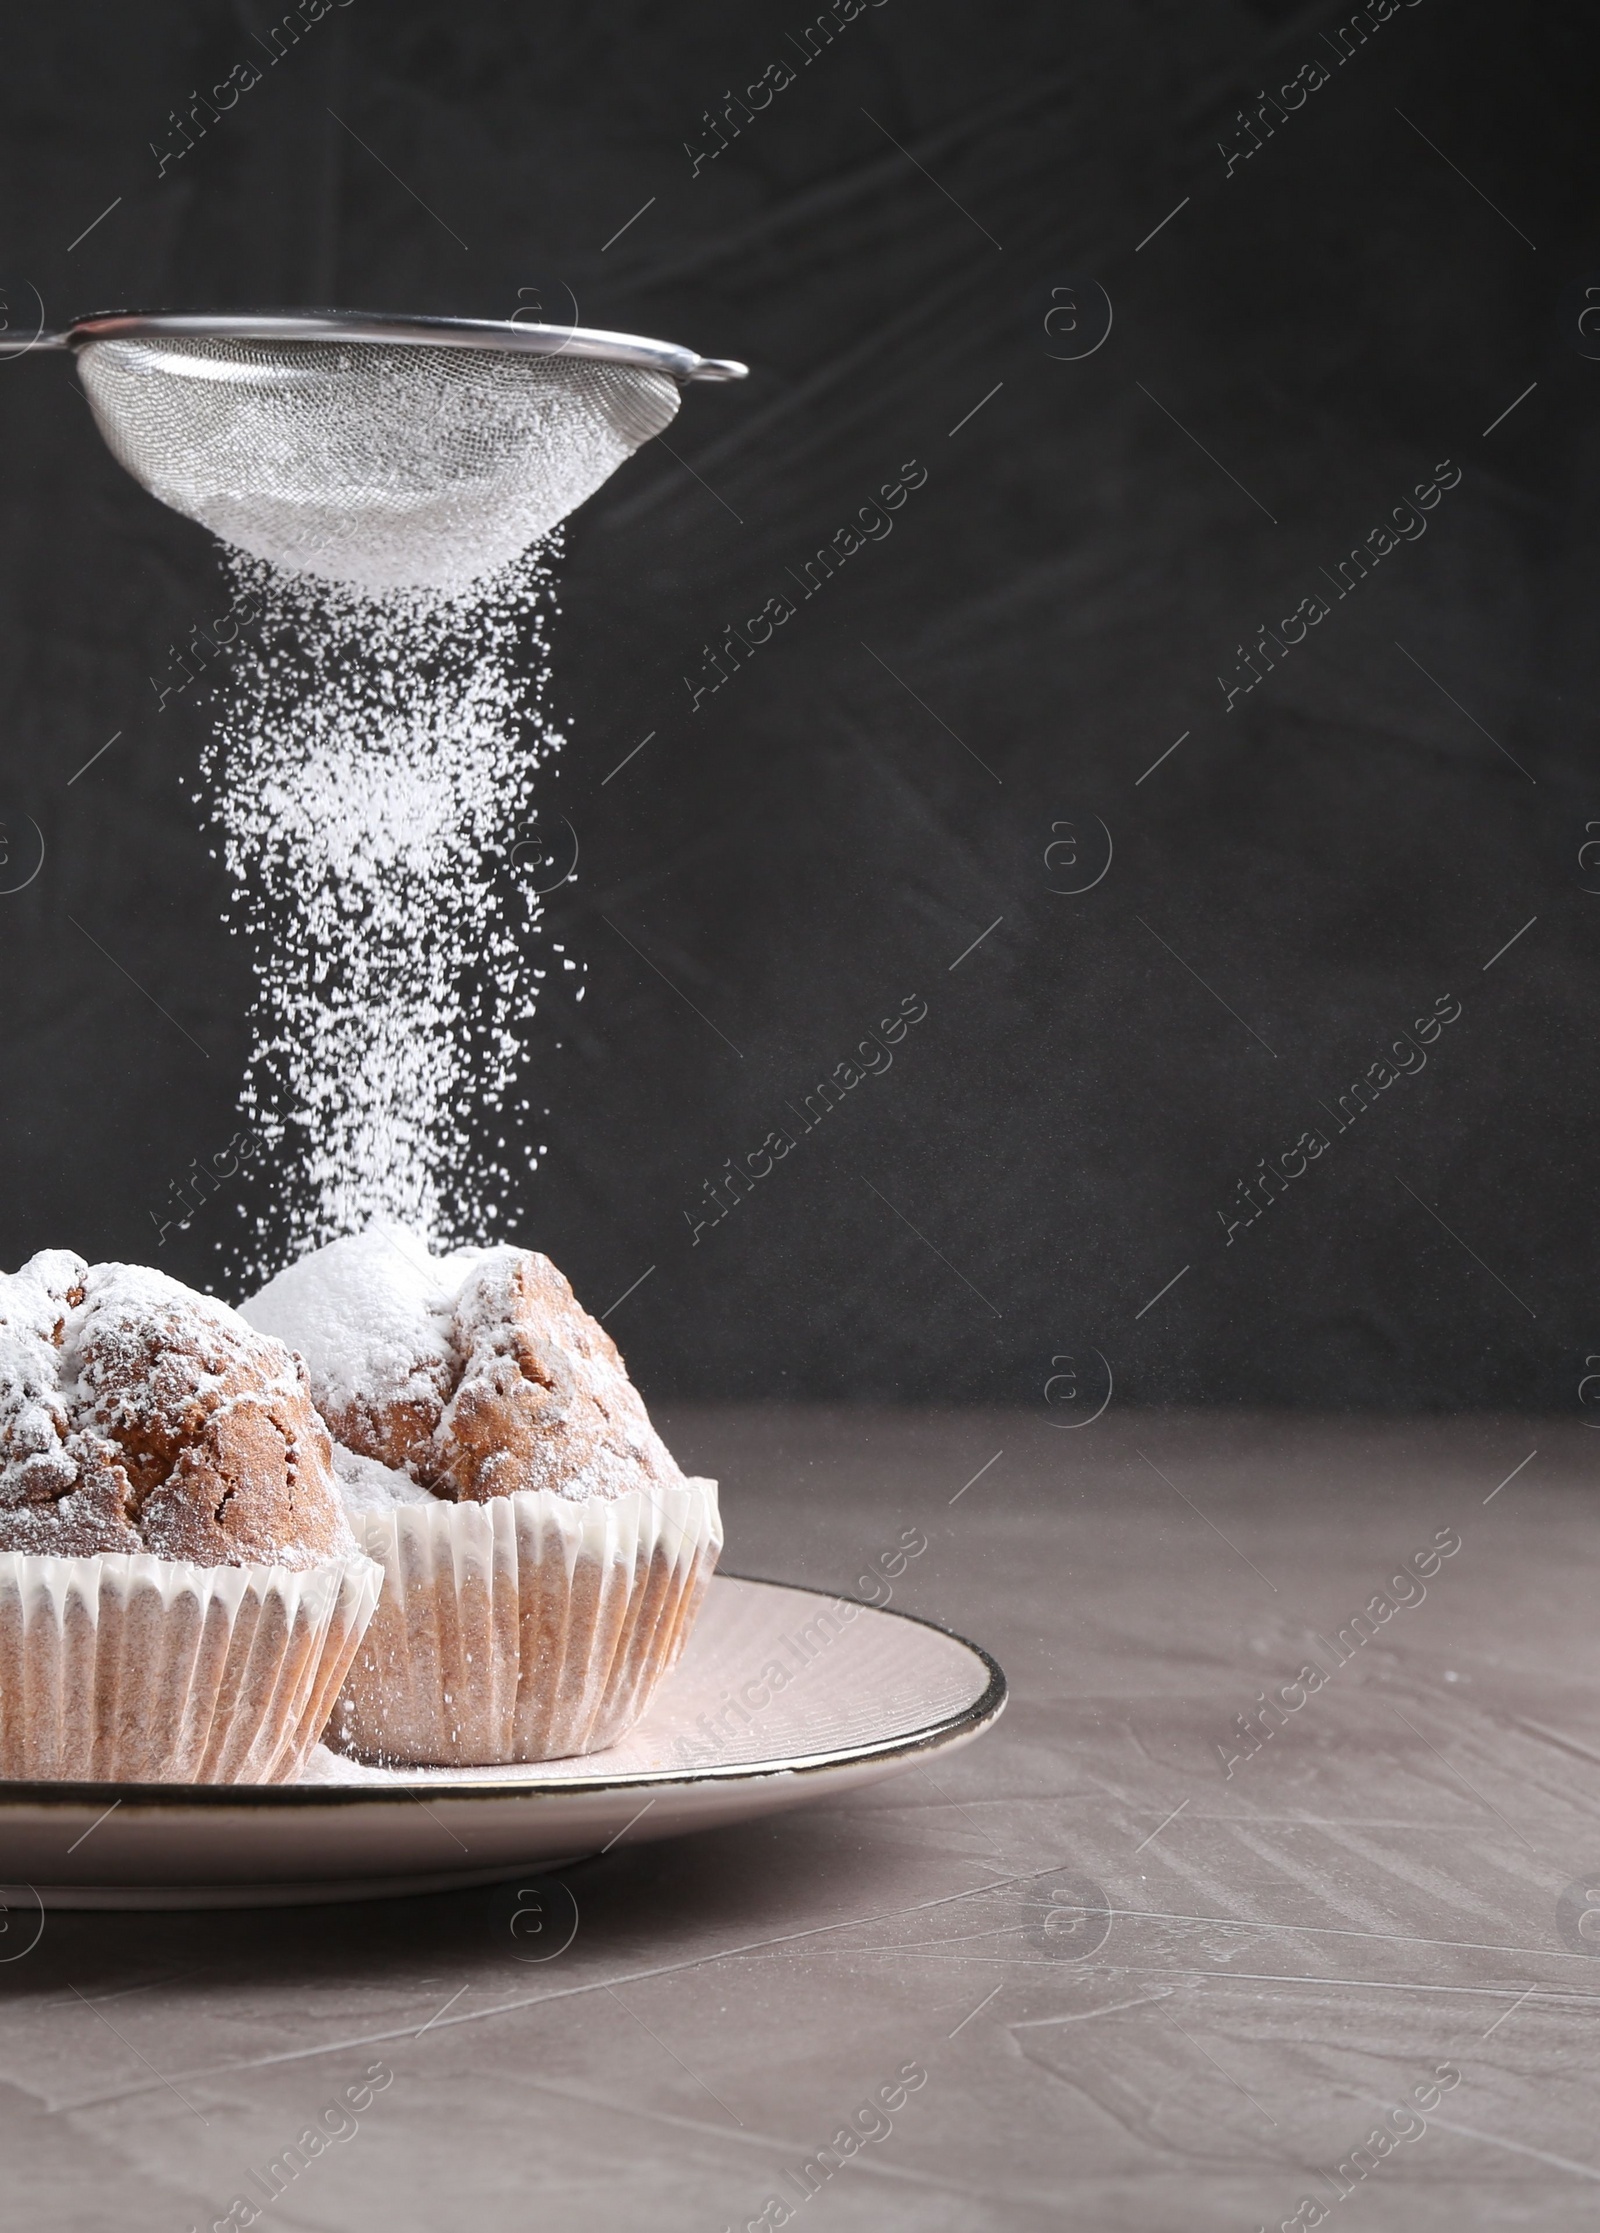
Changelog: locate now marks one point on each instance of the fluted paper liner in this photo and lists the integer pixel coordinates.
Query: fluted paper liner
(529, 1627)
(121, 1669)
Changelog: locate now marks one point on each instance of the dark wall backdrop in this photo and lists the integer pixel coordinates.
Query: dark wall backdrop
(1310, 336)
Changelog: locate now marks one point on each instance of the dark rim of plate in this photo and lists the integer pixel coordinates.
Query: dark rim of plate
(164, 1797)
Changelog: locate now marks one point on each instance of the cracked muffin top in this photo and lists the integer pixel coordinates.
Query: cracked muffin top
(137, 1416)
(474, 1375)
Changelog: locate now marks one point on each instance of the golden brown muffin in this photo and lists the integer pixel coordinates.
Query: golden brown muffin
(543, 1401)
(544, 1559)
(478, 1374)
(136, 1415)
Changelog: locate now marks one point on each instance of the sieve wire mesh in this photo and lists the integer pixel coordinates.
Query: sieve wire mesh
(382, 465)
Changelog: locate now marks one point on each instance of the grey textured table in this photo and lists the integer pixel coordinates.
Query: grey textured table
(1157, 1974)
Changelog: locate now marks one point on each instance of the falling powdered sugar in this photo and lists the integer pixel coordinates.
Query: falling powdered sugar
(371, 781)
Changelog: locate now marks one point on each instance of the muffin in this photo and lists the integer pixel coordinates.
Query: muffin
(180, 1590)
(543, 1556)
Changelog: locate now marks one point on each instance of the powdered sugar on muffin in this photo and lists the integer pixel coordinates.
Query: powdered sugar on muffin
(136, 1415)
(368, 1485)
(371, 1316)
(478, 1373)
(57, 1489)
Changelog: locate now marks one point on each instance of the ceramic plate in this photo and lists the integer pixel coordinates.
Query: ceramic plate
(783, 1695)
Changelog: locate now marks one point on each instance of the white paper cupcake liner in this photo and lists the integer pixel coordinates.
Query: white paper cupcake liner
(529, 1627)
(146, 1670)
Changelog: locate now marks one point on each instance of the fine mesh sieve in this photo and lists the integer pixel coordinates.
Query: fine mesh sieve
(383, 452)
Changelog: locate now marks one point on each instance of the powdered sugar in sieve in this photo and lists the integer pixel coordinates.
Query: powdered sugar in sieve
(384, 467)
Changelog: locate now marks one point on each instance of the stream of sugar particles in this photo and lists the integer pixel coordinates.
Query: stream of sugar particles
(371, 782)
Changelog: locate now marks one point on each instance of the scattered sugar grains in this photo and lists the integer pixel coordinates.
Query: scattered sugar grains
(371, 776)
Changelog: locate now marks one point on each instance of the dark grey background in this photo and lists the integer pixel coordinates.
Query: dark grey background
(1345, 847)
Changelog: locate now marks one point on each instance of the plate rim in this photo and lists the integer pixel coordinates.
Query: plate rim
(968, 1721)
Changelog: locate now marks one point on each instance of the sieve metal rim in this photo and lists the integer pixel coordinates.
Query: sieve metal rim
(391, 327)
